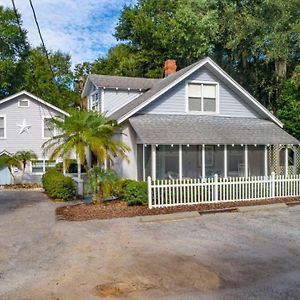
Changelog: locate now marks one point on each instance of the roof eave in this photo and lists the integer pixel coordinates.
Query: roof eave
(35, 98)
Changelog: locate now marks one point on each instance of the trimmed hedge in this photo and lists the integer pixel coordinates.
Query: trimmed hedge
(134, 192)
(58, 186)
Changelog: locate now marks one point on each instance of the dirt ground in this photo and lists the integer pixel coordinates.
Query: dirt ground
(254, 255)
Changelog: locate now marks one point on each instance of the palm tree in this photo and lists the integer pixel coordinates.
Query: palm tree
(24, 157)
(85, 129)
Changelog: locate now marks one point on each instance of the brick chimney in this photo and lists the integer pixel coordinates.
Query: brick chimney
(170, 67)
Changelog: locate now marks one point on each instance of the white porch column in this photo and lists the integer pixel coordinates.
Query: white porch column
(153, 162)
(246, 161)
(286, 161)
(78, 168)
(266, 160)
(64, 167)
(144, 171)
(203, 161)
(180, 162)
(225, 161)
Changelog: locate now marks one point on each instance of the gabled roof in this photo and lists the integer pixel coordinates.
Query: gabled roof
(167, 83)
(35, 98)
(4, 152)
(209, 130)
(121, 82)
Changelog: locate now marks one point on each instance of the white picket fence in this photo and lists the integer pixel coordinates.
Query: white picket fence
(163, 193)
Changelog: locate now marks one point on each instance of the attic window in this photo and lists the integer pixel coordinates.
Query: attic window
(23, 103)
(202, 97)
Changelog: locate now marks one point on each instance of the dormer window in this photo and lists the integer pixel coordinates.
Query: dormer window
(202, 97)
(23, 103)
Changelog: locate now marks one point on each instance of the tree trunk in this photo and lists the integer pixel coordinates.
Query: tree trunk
(280, 68)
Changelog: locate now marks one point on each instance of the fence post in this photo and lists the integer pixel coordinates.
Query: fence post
(216, 187)
(149, 192)
(272, 184)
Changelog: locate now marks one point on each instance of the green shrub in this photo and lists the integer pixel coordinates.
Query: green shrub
(58, 186)
(134, 192)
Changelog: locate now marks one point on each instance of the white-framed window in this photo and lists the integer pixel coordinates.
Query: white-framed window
(37, 166)
(202, 97)
(48, 130)
(2, 127)
(40, 166)
(23, 103)
(95, 100)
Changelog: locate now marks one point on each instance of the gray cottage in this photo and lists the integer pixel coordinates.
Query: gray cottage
(193, 123)
(24, 125)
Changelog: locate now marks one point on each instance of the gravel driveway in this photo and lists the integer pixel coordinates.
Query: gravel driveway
(226, 256)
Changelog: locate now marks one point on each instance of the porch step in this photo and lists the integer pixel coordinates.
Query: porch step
(261, 207)
(170, 217)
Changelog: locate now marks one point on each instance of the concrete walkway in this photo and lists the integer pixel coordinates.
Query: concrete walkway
(251, 255)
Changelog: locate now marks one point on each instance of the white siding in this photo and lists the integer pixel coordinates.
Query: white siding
(174, 101)
(33, 116)
(114, 99)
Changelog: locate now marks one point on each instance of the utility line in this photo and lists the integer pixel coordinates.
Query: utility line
(29, 61)
(41, 38)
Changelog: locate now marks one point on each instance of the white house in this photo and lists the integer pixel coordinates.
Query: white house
(24, 125)
(194, 123)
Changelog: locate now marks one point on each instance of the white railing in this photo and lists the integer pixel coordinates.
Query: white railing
(163, 193)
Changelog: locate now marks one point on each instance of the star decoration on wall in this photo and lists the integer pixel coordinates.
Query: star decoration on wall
(24, 127)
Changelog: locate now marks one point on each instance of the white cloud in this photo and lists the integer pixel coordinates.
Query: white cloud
(82, 28)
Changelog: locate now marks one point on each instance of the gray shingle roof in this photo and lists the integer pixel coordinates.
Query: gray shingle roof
(122, 82)
(159, 85)
(195, 129)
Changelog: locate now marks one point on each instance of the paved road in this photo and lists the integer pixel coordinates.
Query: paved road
(227, 256)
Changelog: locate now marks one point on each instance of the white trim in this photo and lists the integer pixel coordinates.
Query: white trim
(286, 161)
(35, 98)
(243, 91)
(102, 100)
(225, 162)
(5, 127)
(203, 160)
(210, 62)
(153, 161)
(43, 127)
(266, 160)
(24, 100)
(246, 161)
(180, 161)
(4, 152)
(144, 168)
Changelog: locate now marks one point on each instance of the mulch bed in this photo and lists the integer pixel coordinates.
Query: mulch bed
(119, 209)
(19, 186)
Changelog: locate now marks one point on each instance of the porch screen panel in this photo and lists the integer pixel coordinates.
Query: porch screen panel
(140, 162)
(256, 160)
(167, 162)
(236, 161)
(148, 160)
(191, 161)
(214, 161)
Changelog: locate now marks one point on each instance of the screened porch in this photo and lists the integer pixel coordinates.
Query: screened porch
(205, 161)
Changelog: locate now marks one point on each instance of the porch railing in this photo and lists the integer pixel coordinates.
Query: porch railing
(163, 193)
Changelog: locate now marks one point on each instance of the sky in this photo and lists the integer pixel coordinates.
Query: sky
(82, 28)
